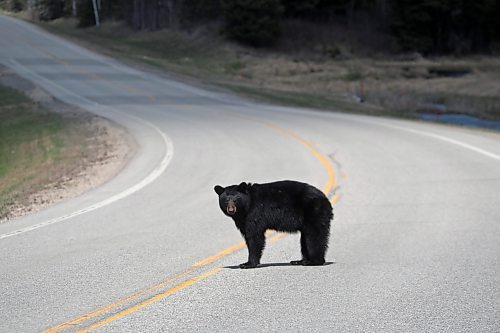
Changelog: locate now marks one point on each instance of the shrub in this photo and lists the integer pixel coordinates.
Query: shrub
(254, 22)
(85, 13)
(49, 9)
(194, 12)
(13, 5)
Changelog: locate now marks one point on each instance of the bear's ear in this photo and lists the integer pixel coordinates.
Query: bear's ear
(243, 188)
(218, 189)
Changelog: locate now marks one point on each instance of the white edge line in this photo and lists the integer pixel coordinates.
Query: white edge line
(443, 138)
(162, 166)
(169, 154)
(114, 63)
(364, 119)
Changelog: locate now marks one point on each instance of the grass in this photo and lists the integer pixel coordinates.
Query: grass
(308, 76)
(37, 147)
(306, 100)
(202, 55)
(30, 140)
(173, 50)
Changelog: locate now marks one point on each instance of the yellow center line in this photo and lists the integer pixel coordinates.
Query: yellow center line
(206, 261)
(327, 189)
(153, 299)
(157, 297)
(329, 186)
(335, 199)
(221, 254)
(75, 321)
(324, 160)
(278, 237)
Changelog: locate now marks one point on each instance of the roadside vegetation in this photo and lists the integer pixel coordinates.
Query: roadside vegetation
(379, 57)
(31, 140)
(383, 57)
(341, 77)
(41, 149)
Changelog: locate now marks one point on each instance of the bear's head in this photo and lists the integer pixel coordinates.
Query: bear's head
(234, 200)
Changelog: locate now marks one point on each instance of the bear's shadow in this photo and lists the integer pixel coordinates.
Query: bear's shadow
(280, 264)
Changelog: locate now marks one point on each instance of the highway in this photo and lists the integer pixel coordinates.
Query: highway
(414, 245)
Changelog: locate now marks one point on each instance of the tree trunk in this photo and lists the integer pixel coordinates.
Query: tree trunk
(153, 14)
(351, 11)
(173, 14)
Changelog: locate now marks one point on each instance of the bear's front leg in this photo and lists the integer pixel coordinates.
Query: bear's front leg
(255, 245)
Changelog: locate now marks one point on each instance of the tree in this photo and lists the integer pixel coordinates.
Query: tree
(254, 22)
(446, 26)
(300, 8)
(199, 12)
(13, 5)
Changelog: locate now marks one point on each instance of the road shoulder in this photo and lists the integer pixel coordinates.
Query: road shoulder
(107, 150)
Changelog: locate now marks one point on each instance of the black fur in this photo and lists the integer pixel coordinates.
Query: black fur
(283, 206)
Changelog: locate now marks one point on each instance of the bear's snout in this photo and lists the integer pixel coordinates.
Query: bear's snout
(231, 208)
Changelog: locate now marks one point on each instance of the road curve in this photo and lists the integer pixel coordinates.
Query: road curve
(414, 246)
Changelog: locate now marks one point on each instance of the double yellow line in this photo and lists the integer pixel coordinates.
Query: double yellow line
(153, 299)
(130, 299)
(328, 189)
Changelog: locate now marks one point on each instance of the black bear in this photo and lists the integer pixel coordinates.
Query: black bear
(282, 206)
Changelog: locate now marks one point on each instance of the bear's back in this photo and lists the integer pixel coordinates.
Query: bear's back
(287, 192)
(288, 206)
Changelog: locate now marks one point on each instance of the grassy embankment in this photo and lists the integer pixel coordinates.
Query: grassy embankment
(308, 71)
(37, 147)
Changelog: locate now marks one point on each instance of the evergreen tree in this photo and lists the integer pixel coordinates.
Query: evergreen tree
(85, 13)
(446, 26)
(50, 9)
(255, 22)
(300, 8)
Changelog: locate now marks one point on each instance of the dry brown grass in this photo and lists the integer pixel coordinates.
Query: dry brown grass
(314, 62)
(403, 86)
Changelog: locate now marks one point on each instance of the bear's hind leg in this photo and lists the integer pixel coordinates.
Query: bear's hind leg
(316, 252)
(316, 231)
(316, 242)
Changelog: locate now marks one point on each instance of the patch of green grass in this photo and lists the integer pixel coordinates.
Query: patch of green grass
(234, 67)
(354, 74)
(31, 139)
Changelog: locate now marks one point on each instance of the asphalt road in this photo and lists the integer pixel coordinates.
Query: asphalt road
(415, 240)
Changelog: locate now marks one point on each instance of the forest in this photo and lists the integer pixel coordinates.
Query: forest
(430, 27)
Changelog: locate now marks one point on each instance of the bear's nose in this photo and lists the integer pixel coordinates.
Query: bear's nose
(231, 209)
